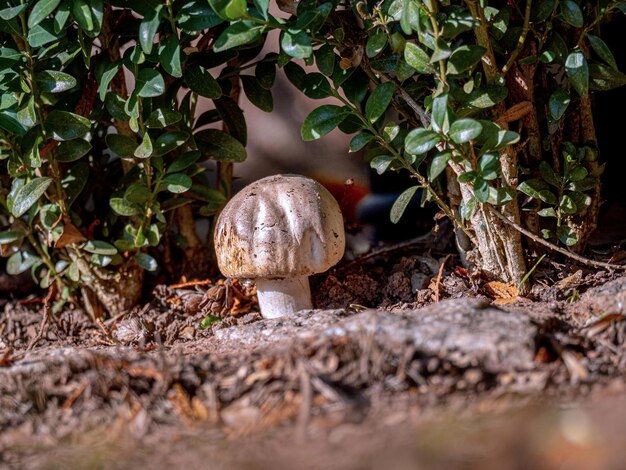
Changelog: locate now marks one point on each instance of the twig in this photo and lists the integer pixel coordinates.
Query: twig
(206, 282)
(388, 249)
(46, 317)
(78, 391)
(306, 393)
(521, 40)
(553, 247)
(439, 275)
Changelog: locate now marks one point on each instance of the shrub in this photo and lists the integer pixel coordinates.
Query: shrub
(103, 151)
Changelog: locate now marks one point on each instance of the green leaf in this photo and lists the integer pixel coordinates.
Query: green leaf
(496, 138)
(322, 120)
(390, 131)
(567, 205)
(169, 56)
(410, 19)
(265, 73)
(41, 10)
(420, 141)
(75, 180)
(542, 10)
(145, 148)
(604, 78)
(229, 9)
(9, 13)
(29, 194)
(146, 262)
(208, 321)
(220, 146)
(99, 247)
(262, 6)
(88, 15)
(258, 95)
(325, 59)
(464, 130)
(418, 59)
(581, 200)
(481, 189)
(558, 103)
(296, 44)
(233, 117)
(500, 23)
(381, 163)
(356, 86)
(464, 58)
(169, 141)
(150, 83)
(200, 81)
(466, 209)
(109, 72)
(52, 81)
(603, 51)
(63, 125)
(487, 96)
(20, 262)
(163, 117)
(184, 161)
(10, 236)
(548, 174)
(177, 183)
(148, 27)
(379, 101)
(121, 145)
(316, 86)
(42, 34)
(547, 212)
(197, 15)
(9, 123)
(438, 165)
(572, 14)
(500, 196)
(578, 72)
(359, 141)
(61, 17)
(138, 193)
(537, 189)
(578, 173)
(9, 57)
(375, 43)
(123, 207)
(238, 34)
(467, 177)
(489, 165)
(400, 204)
(566, 235)
(440, 120)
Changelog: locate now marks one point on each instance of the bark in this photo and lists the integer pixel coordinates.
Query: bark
(500, 245)
(584, 224)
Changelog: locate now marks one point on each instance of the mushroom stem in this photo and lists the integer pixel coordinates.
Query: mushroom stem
(278, 297)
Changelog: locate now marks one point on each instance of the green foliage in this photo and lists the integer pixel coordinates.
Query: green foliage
(421, 89)
(92, 168)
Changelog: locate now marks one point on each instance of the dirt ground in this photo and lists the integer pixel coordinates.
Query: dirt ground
(409, 361)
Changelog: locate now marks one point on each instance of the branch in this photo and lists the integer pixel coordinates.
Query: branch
(553, 247)
(522, 38)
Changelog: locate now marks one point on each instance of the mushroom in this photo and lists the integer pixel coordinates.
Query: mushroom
(278, 231)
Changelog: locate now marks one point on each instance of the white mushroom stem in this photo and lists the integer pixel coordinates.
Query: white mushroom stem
(279, 297)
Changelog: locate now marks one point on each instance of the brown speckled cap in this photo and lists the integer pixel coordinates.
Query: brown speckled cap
(279, 226)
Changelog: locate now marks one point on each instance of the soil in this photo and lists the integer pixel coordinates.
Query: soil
(409, 361)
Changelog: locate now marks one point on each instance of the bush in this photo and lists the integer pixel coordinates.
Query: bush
(103, 153)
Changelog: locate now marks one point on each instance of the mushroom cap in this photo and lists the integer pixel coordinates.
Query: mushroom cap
(279, 226)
